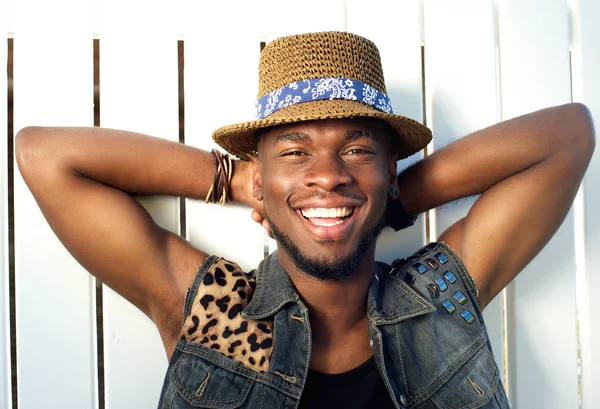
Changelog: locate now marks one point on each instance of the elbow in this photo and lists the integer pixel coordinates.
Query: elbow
(29, 149)
(583, 135)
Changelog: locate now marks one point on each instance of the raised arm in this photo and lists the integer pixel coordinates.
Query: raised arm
(83, 178)
(527, 170)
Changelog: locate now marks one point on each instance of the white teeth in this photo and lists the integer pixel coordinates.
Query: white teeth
(327, 224)
(326, 213)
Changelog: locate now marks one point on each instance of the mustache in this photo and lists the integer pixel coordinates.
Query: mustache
(326, 196)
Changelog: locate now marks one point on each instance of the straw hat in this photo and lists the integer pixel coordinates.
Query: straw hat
(321, 76)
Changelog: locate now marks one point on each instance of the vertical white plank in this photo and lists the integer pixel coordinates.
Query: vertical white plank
(9, 15)
(395, 28)
(55, 305)
(138, 92)
(586, 89)
(221, 75)
(5, 370)
(460, 75)
(534, 57)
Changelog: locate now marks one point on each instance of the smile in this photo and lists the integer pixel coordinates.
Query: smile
(327, 217)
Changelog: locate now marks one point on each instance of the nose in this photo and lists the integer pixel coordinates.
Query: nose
(327, 171)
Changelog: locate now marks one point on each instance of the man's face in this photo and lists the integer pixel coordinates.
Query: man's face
(325, 187)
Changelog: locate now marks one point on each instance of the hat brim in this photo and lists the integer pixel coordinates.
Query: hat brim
(241, 139)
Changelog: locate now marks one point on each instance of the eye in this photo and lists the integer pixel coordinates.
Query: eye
(359, 151)
(293, 153)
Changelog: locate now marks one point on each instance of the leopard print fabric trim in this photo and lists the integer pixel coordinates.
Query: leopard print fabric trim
(215, 319)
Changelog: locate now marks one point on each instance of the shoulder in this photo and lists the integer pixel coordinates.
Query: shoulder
(220, 292)
(219, 282)
(433, 269)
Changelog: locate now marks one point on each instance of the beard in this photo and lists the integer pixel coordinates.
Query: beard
(319, 267)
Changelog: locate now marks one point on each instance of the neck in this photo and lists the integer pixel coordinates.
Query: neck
(338, 315)
(334, 306)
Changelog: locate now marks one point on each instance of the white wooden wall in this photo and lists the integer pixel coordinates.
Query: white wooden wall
(586, 88)
(485, 61)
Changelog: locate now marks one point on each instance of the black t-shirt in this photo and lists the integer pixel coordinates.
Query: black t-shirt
(359, 388)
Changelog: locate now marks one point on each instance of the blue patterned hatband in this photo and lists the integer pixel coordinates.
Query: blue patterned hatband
(321, 88)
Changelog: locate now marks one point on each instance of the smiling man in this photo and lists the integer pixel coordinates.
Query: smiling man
(334, 212)
(319, 323)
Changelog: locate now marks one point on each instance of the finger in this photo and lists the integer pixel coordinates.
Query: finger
(256, 217)
(267, 228)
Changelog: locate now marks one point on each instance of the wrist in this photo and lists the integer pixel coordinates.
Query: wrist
(397, 217)
(240, 181)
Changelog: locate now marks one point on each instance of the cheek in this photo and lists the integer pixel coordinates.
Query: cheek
(382, 201)
(277, 188)
(378, 185)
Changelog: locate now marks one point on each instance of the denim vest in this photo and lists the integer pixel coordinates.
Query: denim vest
(426, 329)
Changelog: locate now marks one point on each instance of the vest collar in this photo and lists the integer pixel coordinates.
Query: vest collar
(390, 299)
(274, 289)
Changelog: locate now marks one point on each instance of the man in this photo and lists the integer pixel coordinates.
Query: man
(319, 323)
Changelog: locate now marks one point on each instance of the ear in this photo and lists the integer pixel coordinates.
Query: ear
(257, 178)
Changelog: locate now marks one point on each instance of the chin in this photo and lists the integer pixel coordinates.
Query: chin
(328, 265)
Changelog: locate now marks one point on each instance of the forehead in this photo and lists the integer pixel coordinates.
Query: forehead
(330, 129)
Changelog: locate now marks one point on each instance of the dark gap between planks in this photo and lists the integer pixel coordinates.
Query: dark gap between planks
(427, 215)
(11, 227)
(99, 304)
(181, 106)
